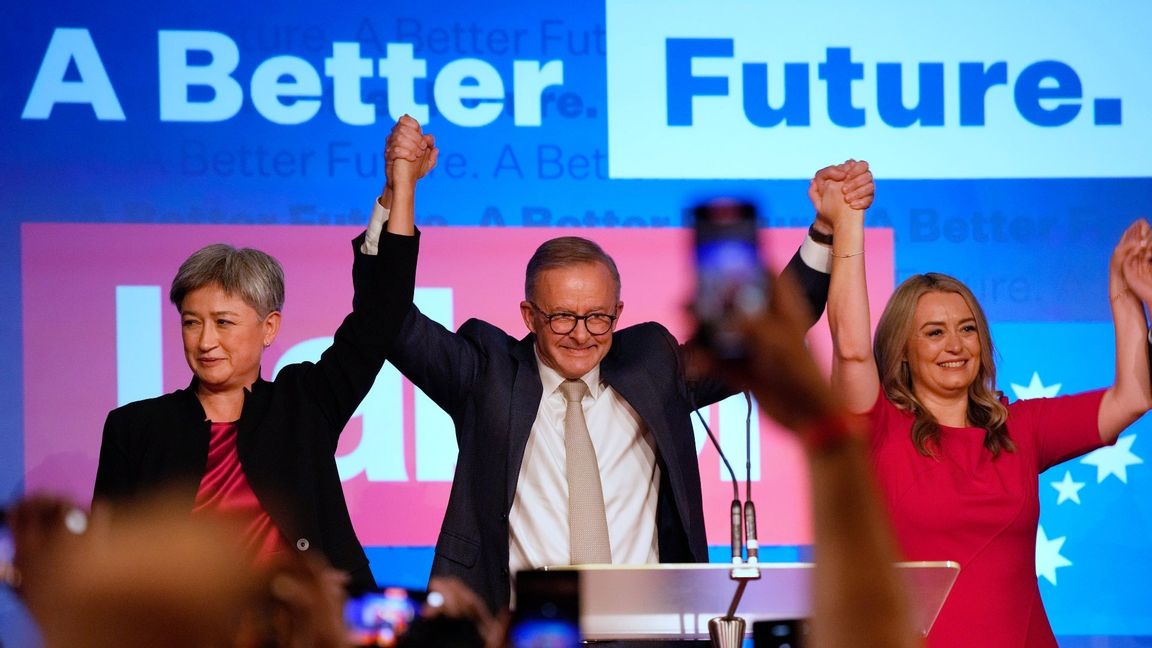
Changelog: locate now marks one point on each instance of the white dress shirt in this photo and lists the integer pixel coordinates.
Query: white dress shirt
(626, 456)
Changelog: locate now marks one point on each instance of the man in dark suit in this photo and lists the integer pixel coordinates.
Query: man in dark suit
(509, 507)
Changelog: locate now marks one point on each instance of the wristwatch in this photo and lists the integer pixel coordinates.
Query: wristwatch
(818, 236)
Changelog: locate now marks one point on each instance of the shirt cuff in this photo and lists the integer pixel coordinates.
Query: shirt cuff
(371, 244)
(816, 256)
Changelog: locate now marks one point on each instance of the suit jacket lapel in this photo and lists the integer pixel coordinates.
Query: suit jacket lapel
(633, 384)
(526, 394)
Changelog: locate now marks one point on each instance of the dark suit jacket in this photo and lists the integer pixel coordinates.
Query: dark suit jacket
(488, 383)
(288, 428)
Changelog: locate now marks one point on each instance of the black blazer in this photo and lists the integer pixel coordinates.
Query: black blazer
(488, 383)
(288, 428)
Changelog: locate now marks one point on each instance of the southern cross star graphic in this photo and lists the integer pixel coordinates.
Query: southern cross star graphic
(1068, 489)
(1048, 558)
(1036, 389)
(1114, 460)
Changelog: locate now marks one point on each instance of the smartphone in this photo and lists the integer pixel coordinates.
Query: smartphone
(7, 551)
(730, 276)
(784, 633)
(547, 610)
(379, 618)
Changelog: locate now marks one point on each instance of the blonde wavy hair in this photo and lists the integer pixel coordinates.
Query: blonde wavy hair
(893, 332)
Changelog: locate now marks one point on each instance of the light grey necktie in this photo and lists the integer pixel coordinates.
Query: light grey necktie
(587, 524)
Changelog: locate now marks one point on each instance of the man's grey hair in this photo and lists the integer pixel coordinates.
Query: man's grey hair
(563, 252)
(250, 274)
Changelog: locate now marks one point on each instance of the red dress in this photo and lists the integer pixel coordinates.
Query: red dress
(224, 490)
(963, 505)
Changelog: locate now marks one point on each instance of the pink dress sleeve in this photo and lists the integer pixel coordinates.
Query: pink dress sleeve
(1061, 428)
(885, 419)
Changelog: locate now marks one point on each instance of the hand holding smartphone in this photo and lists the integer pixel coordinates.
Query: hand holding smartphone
(380, 617)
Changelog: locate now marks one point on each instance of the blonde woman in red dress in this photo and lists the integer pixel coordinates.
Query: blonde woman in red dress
(957, 464)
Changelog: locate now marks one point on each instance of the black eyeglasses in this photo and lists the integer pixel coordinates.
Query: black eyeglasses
(565, 323)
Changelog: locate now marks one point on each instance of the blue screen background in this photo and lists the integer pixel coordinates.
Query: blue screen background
(1035, 251)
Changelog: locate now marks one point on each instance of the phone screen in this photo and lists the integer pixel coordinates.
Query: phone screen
(7, 550)
(730, 277)
(547, 610)
(783, 633)
(380, 618)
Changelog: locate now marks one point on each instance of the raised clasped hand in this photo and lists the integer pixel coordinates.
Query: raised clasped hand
(1133, 259)
(852, 179)
(409, 153)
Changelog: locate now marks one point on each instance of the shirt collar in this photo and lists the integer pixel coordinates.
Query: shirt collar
(550, 379)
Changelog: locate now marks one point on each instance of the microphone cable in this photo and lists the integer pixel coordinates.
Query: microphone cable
(749, 507)
(736, 522)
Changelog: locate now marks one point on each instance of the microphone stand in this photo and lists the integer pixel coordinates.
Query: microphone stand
(728, 631)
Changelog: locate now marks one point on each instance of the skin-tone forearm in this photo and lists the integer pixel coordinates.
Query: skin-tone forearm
(402, 217)
(859, 598)
(1131, 394)
(854, 375)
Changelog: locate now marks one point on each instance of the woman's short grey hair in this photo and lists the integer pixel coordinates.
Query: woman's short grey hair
(252, 275)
